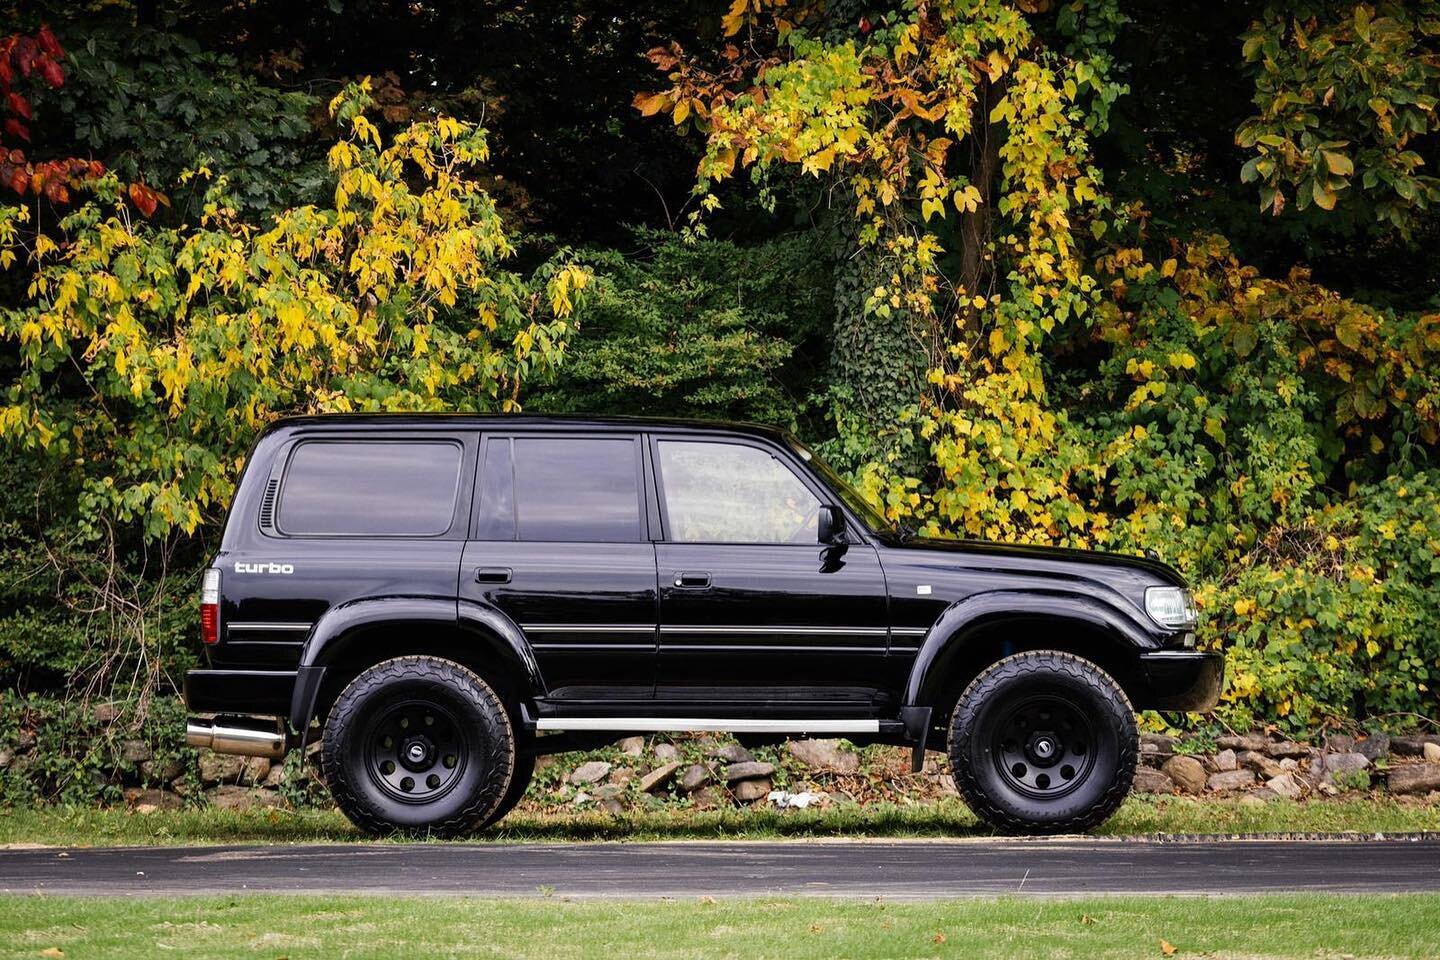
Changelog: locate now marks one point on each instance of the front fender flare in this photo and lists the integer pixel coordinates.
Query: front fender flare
(490, 629)
(946, 638)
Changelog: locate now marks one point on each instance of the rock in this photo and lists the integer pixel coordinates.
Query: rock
(1339, 743)
(235, 798)
(24, 742)
(1289, 763)
(632, 746)
(1150, 780)
(732, 753)
(1414, 777)
(1187, 773)
(589, 772)
(106, 714)
(824, 755)
(1285, 785)
(1230, 780)
(1287, 748)
(1260, 763)
(1156, 748)
(1259, 797)
(1239, 742)
(153, 800)
(706, 797)
(580, 799)
(1374, 747)
(256, 770)
(220, 768)
(275, 777)
(1330, 765)
(622, 775)
(748, 791)
(135, 751)
(694, 778)
(6, 758)
(167, 770)
(1225, 761)
(666, 752)
(658, 777)
(748, 770)
(609, 791)
(1412, 746)
(612, 806)
(1431, 751)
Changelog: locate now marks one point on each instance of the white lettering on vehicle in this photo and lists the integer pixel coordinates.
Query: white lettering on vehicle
(264, 567)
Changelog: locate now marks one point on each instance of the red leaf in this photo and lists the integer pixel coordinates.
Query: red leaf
(56, 192)
(25, 53)
(18, 104)
(53, 73)
(48, 43)
(144, 198)
(18, 180)
(17, 129)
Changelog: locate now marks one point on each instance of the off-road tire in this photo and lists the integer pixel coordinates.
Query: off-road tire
(481, 726)
(519, 783)
(981, 740)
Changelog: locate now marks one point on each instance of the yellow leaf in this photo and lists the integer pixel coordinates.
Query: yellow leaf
(650, 104)
(1167, 269)
(1166, 947)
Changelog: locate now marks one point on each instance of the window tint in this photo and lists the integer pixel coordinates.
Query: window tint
(497, 493)
(580, 490)
(375, 488)
(731, 493)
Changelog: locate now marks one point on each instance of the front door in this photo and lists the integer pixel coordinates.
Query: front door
(755, 613)
(560, 544)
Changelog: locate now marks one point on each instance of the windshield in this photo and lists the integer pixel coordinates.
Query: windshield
(853, 498)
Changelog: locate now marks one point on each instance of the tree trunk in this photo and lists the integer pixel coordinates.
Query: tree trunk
(976, 268)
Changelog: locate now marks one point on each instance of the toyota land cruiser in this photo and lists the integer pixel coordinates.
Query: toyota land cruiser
(445, 597)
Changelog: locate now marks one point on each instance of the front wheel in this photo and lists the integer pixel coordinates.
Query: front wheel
(1043, 742)
(419, 745)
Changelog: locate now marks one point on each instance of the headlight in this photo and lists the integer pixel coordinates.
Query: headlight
(1170, 606)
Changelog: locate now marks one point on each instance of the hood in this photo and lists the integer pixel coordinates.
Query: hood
(1020, 552)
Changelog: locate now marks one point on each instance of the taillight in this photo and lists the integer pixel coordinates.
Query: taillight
(210, 606)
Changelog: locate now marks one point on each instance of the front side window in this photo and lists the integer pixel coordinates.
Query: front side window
(380, 488)
(733, 493)
(580, 490)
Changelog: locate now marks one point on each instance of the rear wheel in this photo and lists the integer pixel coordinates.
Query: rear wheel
(1043, 742)
(419, 745)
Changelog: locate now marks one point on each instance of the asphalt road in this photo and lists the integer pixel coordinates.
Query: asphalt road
(891, 869)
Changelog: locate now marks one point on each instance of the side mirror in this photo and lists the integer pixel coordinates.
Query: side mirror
(831, 523)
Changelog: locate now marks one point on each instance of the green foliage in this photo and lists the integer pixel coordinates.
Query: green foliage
(710, 329)
(153, 105)
(1346, 93)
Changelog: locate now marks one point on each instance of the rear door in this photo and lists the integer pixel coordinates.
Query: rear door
(755, 613)
(560, 543)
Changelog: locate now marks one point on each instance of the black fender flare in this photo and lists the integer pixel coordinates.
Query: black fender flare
(946, 638)
(491, 630)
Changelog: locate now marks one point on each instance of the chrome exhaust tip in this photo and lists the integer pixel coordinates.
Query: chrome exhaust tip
(228, 738)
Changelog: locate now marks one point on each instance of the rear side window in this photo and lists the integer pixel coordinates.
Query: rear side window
(561, 489)
(380, 488)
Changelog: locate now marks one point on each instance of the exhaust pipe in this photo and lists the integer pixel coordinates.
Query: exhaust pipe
(244, 741)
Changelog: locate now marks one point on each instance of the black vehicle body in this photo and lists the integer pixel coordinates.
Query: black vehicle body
(871, 635)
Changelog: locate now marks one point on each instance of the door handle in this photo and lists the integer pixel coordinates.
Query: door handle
(492, 574)
(696, 580)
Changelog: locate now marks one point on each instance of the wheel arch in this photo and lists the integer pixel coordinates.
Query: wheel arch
(984, 629)
(352, 637)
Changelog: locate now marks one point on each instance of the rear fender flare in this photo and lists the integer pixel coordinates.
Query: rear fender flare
(491, 632)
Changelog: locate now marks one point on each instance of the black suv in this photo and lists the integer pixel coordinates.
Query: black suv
(450, 596)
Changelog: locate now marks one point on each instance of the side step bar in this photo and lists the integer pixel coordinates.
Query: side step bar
(698, 725)
(227, 738)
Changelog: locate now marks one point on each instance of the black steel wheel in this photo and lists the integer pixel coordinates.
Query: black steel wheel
(419, 745)
(1043, 742)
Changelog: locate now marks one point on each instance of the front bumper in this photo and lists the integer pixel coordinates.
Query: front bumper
(1180, 680)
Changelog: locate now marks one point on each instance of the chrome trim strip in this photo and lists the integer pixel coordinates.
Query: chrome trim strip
(264, 627)
(702, 725)
(587, 627)
(778, 631)
(1173, 654)
(909, 631)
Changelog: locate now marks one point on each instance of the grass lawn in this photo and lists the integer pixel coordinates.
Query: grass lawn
(358, 927)
(88, 826)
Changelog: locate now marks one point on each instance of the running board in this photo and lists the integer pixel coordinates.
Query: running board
(699, 725)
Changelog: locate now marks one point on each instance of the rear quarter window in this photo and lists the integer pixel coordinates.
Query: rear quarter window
(378, 488)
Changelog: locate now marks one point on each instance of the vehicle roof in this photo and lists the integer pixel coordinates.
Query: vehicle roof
(529, 420)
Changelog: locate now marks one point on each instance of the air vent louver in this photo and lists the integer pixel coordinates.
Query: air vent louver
(267, 504)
